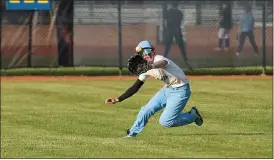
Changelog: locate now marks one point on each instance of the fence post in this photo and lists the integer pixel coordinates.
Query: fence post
(30, 38)
(1, 13)
(264, 37)
(198, 13)
(120, 38)
(162, 29)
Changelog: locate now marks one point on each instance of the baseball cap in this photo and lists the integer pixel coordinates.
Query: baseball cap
(145, 46)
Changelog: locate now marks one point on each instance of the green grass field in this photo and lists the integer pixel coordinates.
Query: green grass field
(68, 119)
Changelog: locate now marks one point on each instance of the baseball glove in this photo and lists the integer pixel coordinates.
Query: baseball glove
(137, 65)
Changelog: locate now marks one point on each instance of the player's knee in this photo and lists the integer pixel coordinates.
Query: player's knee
(221, 37)
(165, 123)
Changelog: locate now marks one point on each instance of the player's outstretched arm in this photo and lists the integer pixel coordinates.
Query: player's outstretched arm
(129, 92)
(137, 66)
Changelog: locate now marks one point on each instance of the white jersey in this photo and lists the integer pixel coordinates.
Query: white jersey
(172, 75)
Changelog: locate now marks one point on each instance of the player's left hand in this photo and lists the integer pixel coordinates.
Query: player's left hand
(111, 101)
(137, 65)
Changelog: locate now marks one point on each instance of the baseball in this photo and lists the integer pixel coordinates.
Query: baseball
(138, 49)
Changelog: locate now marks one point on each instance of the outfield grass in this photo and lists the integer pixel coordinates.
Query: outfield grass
(68, 119)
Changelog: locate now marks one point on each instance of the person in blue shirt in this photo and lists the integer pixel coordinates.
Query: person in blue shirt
(246, 29)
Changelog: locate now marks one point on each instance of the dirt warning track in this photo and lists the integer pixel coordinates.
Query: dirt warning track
(76, 78)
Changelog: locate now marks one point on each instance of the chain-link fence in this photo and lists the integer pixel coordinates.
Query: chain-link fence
(30, 38)
(27, 40)
(100, 40)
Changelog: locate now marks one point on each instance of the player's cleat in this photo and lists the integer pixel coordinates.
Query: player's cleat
(199, 120)
(226, 49)
(127, 135)
(237, 54)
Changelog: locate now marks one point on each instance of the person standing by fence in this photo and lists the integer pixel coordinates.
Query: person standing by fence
(246, 29)
(225, 25)
(173, 19)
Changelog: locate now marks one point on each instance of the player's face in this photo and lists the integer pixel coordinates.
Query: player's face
(149, 57)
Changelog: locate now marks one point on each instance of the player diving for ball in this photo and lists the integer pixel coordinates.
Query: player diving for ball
(173, 97)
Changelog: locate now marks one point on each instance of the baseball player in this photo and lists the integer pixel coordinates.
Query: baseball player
(225, 25)
(173, 97)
